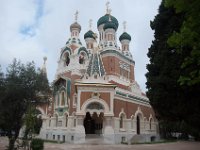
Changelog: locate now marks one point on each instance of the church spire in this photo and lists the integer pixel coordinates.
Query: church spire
(43, 69)
(125, 39)
(124, 26)
(76, 16)
(109, 13)
(90, 24)
(75, 28)
(107, 7)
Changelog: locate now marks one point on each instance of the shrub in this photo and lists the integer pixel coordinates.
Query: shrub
(37, 144)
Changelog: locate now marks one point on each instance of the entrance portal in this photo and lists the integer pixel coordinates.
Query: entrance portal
(138, 124)
(93, 124)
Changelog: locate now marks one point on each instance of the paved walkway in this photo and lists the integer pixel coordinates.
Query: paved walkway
(164, 146)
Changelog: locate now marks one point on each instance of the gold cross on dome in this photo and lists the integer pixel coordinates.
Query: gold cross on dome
(76, 16)
(107, 6)
(124, 24)
(109, 13)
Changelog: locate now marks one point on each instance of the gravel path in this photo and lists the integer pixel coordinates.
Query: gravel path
(164, 146)
(182, 145)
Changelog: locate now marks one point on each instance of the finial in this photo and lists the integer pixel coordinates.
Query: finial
(45, 59)
(76, 16)
(124, 24)
(43, 69)
(90, 24)
(107, 7)
(109, 13)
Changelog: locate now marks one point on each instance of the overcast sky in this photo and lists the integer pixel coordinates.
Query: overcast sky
(32, 29)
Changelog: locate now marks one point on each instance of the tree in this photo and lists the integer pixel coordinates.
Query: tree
(172, 101)
(21, 86)
(187, 40)
(163, 70)
(187, 44)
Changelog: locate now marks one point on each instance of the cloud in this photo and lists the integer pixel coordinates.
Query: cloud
(32, 29)
(28, 29)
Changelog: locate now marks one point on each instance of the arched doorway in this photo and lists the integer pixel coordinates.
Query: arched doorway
(89, 124)
(93, 121)
(138, 124)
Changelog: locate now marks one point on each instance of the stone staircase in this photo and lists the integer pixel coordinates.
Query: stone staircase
(94, 139)
(138, 139)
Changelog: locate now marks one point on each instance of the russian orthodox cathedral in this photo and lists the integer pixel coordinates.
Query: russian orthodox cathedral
(95, 92)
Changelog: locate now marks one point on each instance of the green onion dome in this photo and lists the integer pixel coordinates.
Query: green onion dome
(125, 36)
(75, 25)
(109, 25)
(104, 19)
(89, 34)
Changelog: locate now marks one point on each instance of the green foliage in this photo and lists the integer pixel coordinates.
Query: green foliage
(37, 144)
(173, 72)
(29, 121)
(187, 40)
(164, 67)
(21, 85)
(37, 126)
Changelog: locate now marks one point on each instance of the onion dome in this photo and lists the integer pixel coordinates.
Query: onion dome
(89, 34)
(125, 36)
(104, 19)
(109, 25)
(75, 25)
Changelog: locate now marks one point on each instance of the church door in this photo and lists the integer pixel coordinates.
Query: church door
(89, 124)
(138, 124)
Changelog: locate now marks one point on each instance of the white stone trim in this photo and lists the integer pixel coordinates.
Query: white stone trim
(96, 89)
(151, 117)
(115, 55)
(91, 100)
(139, 113)
(118, 97)
(40, 109)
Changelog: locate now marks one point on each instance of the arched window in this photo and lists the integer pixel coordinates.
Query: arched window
(67, 59)
(56, 120)
(58, 100)
(121, 121)
(138, 124)
(50, 121)
(82, 58)
(62, 98)
(66, 120)
(95, 105)
(74, 119)
(150, 124)
(74, 100)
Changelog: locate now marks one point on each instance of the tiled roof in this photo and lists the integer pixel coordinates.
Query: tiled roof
(95, 65)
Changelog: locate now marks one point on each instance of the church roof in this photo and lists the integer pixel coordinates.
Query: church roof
(125, 36)
(104, 19)
(75, 25)
(89, 34)
(95, 65)
(109, 25)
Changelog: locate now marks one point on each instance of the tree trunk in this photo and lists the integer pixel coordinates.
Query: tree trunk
(11, 143)
(12, 138)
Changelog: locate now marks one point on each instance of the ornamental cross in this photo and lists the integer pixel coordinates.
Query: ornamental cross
(90, 24)
(76, 16)
(109, 12)
(45, 59)
(107, 7)
(124, 24)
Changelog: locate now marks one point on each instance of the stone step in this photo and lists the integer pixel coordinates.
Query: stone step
(94, 139)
